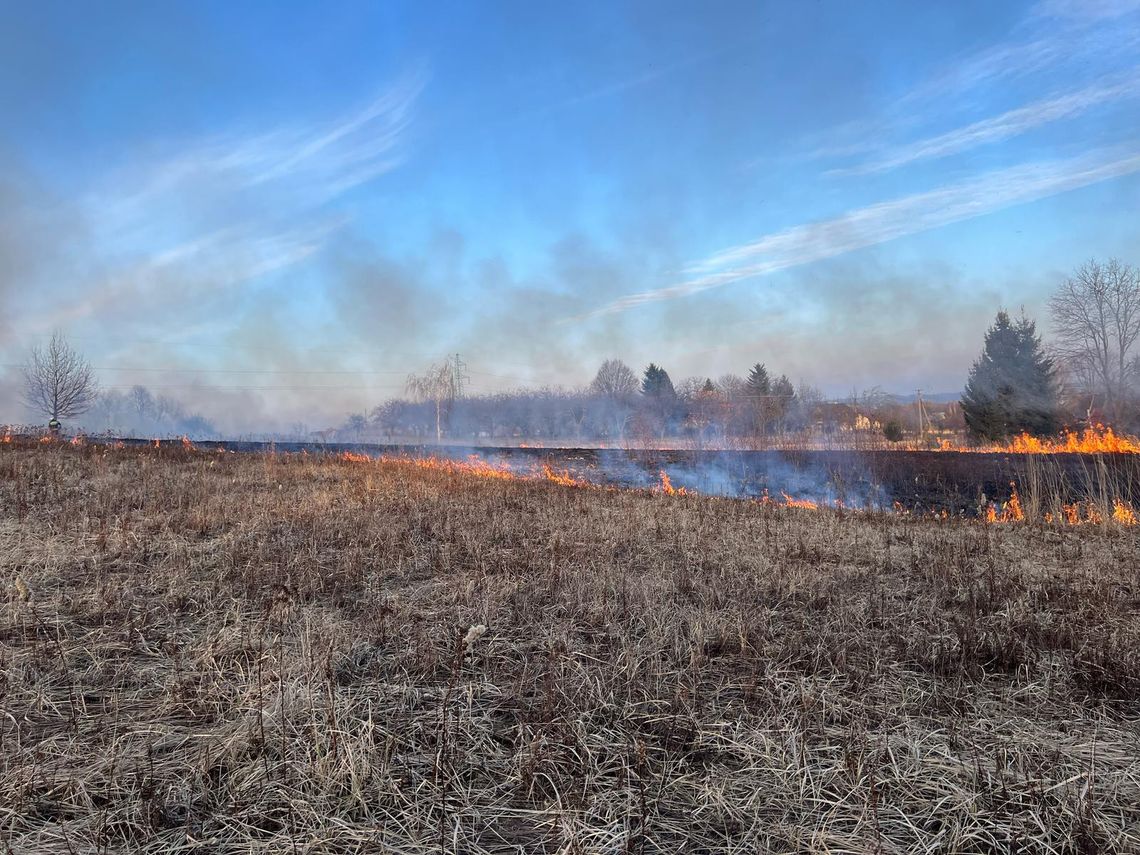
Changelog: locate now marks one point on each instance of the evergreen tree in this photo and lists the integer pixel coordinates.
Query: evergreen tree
(1012, 386)
(758, 389)
(656, 383)
(661, 404)
(759, 385)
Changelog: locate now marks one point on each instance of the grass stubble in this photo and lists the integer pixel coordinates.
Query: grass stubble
(266, 653)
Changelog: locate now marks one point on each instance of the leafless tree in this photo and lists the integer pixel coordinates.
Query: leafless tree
(615, 380)
(1096, 321)
(731, 386)
(439, 384)
(58, 381)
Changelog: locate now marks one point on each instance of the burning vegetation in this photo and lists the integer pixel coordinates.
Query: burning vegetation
(357, 655)
(1097, 439)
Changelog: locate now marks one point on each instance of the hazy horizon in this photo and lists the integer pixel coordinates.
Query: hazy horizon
(276, 217)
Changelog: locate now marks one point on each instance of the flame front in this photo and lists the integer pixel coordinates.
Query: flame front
(799, 503)
(473, 466)
(1097, 439)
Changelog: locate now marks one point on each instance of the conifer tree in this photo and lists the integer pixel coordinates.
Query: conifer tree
(661, 404)
(656, 383)
(1012, 386)
(758, 388)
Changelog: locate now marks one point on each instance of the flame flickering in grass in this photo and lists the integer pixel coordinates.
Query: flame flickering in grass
(1089, 513)
(1123, 513)
(1097, 439)
(1011, 511)
(666, 485)
(789, 502)
(473, 466)
(1070, 513)
(563, 477)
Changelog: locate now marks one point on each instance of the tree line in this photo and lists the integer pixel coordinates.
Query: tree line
(617, 405)
(1089, 372)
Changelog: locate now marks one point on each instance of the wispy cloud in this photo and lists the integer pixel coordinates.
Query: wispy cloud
(212, 215)
(1043, 42)
(302, 164)
(1056, 44)
(886, 221)
(1088, 10)
(192, 271)
(1005, 126)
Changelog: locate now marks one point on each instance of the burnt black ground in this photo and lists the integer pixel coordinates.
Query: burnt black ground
(960, 483)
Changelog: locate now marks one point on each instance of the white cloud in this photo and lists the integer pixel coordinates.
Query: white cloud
(219, 213)
(1009, 124)
(886, 221)
(1046, 50)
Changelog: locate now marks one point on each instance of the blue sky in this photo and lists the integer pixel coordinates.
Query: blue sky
(281, 209)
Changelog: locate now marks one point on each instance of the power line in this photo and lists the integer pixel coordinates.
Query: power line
(256, 388)
(228, 370)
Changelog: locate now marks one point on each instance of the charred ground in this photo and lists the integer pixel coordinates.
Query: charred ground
(225, 653)
(956, 483)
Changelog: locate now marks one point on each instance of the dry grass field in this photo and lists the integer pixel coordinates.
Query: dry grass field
(227, 653)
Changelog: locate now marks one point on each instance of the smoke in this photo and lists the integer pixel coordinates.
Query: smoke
(239, 272)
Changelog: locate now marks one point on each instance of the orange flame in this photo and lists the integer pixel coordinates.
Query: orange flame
(790, 502)
(1097, 439)
(1011, 511)
(473, 466)
(799, 503)
(187, 444)
(1123, 513)
(564, 477)
(666, 485)
(1074, 513)
(1008, 512)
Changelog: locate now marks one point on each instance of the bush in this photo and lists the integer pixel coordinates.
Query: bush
(893, 431)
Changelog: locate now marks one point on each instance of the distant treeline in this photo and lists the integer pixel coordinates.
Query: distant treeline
(621, 406)
(138, 412)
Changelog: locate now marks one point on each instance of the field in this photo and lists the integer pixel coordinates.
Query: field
(212, 652)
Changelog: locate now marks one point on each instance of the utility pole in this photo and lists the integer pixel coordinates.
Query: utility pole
(921, 414)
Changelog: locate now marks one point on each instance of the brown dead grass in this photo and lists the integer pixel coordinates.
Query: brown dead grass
(223, 653)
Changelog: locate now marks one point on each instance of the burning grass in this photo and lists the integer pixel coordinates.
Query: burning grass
(235, 653)
(1097, 439)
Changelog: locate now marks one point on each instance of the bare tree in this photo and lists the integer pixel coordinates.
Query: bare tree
(439, 384)
(615, 380)
(58, 381)
(615, 386)
(1096, 321)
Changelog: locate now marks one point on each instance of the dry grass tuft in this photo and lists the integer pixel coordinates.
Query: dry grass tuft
(226, 653)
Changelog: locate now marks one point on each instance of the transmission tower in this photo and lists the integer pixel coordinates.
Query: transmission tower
(458, 375)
